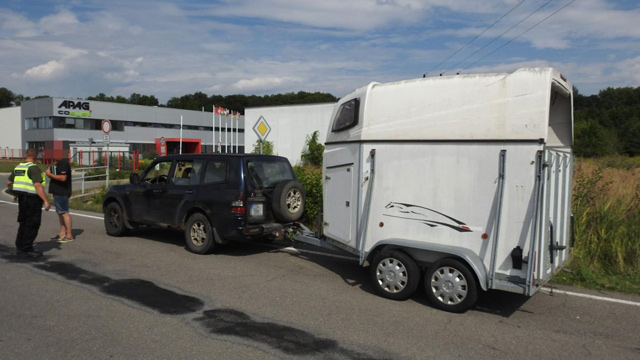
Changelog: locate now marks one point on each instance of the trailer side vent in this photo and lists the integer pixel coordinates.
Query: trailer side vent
(516, 257)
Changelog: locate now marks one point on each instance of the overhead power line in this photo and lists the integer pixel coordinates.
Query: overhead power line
(501, 35)
(522, 33)
(477, 36)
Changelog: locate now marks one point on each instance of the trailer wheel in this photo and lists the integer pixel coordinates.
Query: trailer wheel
(450, 286)
(198, 234)
(395, 275)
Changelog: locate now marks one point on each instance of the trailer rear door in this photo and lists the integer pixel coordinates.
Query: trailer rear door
(550, 249)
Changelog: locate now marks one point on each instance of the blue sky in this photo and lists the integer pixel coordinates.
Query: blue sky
(170, 48)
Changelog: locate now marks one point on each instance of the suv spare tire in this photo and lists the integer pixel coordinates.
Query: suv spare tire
(288, 201)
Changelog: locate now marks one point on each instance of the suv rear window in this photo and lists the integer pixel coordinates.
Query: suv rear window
(266, 173)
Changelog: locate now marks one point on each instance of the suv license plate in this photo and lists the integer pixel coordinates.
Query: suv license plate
(256, 210)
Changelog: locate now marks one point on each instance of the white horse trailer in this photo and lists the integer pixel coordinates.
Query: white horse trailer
(462, 181)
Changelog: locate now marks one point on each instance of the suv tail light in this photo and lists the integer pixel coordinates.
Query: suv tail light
(238, 205)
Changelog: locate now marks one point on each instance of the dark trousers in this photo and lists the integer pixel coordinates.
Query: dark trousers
(29, 217)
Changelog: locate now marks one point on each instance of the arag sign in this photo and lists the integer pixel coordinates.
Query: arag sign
(74, 108)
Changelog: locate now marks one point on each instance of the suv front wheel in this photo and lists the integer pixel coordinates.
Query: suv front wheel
(198, 234)
(114, 220)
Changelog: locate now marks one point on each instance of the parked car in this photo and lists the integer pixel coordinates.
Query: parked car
(213, 198)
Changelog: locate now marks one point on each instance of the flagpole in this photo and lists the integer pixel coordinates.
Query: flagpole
(237, 130)
(180, 134)
(213, 129)
(233, 118)
(226, 136)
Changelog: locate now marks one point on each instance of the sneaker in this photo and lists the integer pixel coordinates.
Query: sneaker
(65, 240)
(57, 237)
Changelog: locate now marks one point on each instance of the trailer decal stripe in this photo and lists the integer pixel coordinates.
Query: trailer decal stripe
(410, 209)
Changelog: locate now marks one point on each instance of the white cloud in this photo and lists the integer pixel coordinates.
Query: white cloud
(353, 14)
(63, 22)
(14, 24)
(266, 46)
(262, 83)
(45, 71)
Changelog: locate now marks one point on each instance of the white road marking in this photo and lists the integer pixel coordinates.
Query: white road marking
(291, 249)
(54, 210)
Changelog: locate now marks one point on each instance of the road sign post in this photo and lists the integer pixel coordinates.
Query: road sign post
(106, 129)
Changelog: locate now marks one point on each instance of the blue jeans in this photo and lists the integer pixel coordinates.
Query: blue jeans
(61, 202)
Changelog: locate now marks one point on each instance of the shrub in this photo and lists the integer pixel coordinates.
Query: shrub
(267, 147)
(311, 179)
(312, 154)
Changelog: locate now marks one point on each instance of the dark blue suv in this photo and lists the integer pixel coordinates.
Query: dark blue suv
(214, 198)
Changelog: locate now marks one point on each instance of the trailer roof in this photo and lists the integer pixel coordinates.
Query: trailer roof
(528, 104)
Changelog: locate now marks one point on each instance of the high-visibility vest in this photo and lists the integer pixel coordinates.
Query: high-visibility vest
(22, 182)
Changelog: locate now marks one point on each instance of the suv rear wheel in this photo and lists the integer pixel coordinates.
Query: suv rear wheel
(288, 200)
(198, 234)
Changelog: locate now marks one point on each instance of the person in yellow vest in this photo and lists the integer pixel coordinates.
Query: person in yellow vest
(27, 182)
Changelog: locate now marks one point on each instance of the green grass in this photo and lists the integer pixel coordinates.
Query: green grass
(606, 208)
(90, 201)
(7, 166)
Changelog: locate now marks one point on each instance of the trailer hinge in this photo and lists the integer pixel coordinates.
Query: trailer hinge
(557, 247)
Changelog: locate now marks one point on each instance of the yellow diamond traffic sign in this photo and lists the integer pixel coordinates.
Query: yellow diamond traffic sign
(262, 128)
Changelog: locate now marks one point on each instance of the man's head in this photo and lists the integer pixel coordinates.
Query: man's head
(60, 154)
(31, 155)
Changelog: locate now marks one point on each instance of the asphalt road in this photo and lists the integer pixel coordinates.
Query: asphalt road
(144, 296)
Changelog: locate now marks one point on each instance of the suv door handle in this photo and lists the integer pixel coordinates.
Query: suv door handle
(189, 192)
(157, 191)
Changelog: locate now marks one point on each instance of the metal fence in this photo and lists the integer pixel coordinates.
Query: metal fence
(118, 160)
(83, 175)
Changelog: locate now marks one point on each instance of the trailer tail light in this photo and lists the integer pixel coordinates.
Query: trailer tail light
(238, 205)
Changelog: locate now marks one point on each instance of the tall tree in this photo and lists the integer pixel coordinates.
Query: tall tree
(7, 98)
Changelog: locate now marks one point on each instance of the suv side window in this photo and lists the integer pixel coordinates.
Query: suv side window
(187, 172)
(217, 171)
(158, 174)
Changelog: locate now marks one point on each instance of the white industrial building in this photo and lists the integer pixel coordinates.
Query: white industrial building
(289, 127)
(72, 126)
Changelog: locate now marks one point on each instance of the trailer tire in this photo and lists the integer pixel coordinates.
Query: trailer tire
(198, 234)
(288, 201)
(451, 286)
(394, 275)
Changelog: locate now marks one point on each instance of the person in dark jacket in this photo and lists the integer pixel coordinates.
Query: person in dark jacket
(60, 188)
(26, 181)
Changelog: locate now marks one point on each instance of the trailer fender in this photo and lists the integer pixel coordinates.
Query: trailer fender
(428, 252)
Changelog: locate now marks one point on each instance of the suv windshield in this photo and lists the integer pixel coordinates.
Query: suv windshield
(265, 173)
